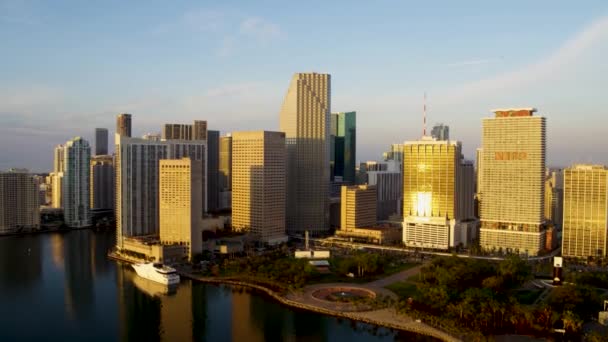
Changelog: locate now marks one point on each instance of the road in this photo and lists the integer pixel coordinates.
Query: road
(409, 250)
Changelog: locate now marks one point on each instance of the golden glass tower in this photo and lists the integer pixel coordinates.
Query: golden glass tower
(180, 198)
(304, 118)
(258, 184)
(431, 175)
(585, 211)
(513, 181)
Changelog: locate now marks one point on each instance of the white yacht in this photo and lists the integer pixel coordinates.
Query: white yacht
(157, 272)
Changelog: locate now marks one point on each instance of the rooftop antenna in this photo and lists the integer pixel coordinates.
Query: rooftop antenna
(424, 117)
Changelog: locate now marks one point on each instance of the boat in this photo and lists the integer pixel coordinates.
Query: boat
(157, 272)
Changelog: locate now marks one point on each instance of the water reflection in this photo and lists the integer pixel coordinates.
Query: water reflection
(61, 286)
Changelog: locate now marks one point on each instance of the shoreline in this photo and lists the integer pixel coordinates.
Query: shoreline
(55, 230)
(363, 317)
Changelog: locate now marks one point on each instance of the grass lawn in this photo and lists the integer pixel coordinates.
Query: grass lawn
(392, 269)
(527, 297)
(403, 289)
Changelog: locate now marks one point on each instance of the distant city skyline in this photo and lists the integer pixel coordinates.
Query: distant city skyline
(230, 64)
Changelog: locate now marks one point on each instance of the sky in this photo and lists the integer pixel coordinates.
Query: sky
(67, 67)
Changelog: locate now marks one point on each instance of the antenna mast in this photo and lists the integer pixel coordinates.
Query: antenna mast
(424, 117)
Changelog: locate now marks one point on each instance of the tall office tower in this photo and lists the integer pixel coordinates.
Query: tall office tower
(259, 184)
(585, 211)
(305, 120)
(123, 125)
(441, 132)
(358, 207)
(225, 172)
(395, 153)
(388, 180)
(432, 176)
(195, 131)
(344, 131)
(466, 190)
(554, 197)
(19, 206)
(199, 130)
(512, 182)
(180, 204)
(75, 184)
(102, 182)
(213, 161)
(101, 141)
(56, 176)
(136, 175)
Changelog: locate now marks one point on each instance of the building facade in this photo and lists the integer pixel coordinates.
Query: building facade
(213, 160)
(75, 195)
(56, 177)
(305, 119)
(101, 141)
(259, 185)
(137, 181)
(19, 203)
(180, 204)
(102, 182)
(358, 207)
(225, 173)
(512, 182)
(432, 176)
(123, 124)
(344, 140)
(388, 180)
(585, 227)
(440, 132)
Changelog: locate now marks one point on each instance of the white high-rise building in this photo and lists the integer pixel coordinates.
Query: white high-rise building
(512, 188)
(137, 181)
(75, 183)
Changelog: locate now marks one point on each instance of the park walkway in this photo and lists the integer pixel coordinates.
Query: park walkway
(399, 276)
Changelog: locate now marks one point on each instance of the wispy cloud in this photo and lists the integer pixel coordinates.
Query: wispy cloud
(473, 62)
(261, 30)
(228, 30)
(557, 63)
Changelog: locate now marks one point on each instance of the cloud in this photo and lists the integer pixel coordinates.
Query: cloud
(557, 63)
(204, 20)
(260, 30)
(228, 30)
(474, 62)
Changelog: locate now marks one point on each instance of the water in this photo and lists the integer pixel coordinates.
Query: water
(62, 287)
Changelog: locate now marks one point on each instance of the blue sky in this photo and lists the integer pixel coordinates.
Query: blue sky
(70, 66)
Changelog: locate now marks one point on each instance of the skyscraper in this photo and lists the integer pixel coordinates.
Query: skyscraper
(358, 207)
(441, 132)
(123, 124)
(137, 181)
(512, 181)
(585, 227)
(102, 182)
(258, 186)
(56, 177)
(19, 206)
(432, 178)
(388, 179)
(225, 172)
(305, 120)
(75, 183)
(180, 135)
(345, 145)
(180, 204)
(101, 141)
(213, 156)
